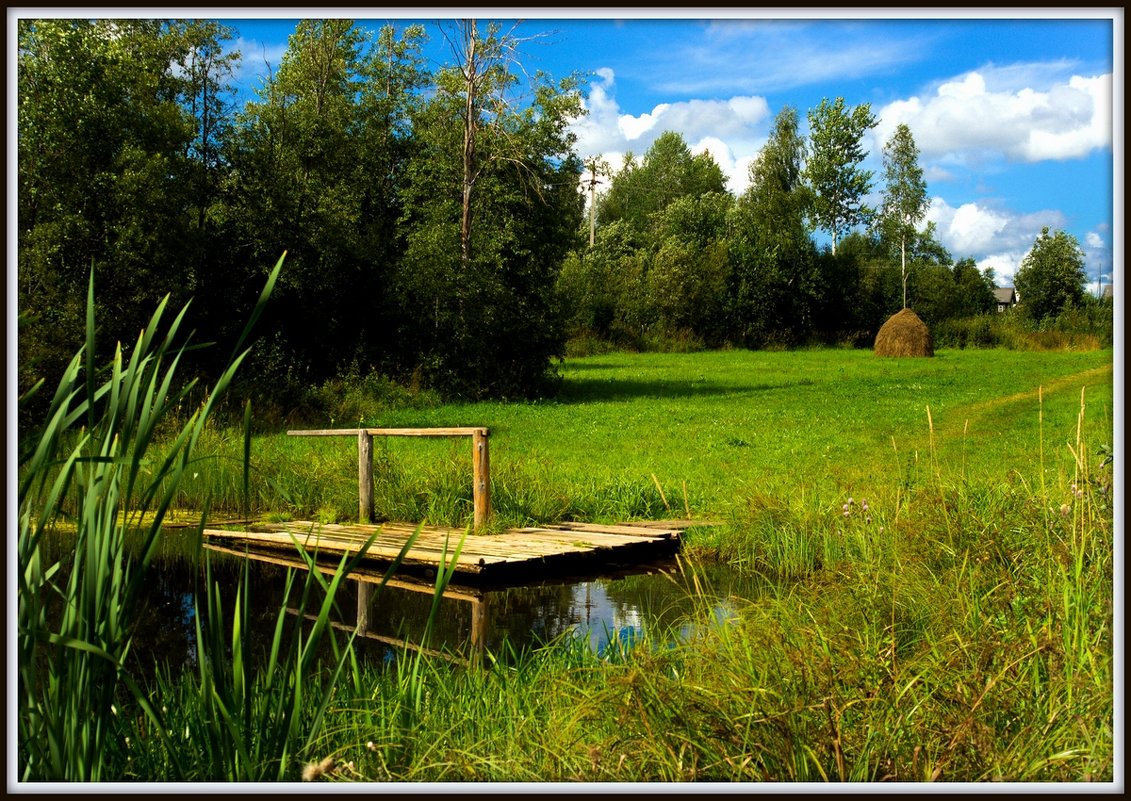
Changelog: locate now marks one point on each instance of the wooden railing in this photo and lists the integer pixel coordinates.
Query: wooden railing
(480, 462)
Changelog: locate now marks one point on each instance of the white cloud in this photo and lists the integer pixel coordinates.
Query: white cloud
(749, 56)
(990, 111)
(732, 130)
(1004, 266)
(992, 237)
(969, 228)
(1098, 260)
(634, 127)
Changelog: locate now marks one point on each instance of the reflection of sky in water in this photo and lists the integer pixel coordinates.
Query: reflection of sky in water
(602, 620)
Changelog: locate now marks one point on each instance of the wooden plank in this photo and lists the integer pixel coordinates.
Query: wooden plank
(387, 551)
(439, 431)
(324, 432)
(548, 540)
(473, 559)
(304, 528)
(429, 432)
(599, 528)
(591, 539)
(360, 575)
(433, 538)
(541, 540)
(536, 545)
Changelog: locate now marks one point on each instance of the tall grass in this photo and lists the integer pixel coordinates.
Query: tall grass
(97, 453)
(74, 618)
(1076, 328)
(947, 626)
(81, 714)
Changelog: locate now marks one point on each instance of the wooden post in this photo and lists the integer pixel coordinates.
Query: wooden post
(478, 629)
(364, 476)
(364, 595)
(481, 476)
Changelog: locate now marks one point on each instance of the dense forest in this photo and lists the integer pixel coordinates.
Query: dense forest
(435, 222)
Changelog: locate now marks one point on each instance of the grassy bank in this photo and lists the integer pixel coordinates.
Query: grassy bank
(939, 535)
(968, 639)
(712, 434)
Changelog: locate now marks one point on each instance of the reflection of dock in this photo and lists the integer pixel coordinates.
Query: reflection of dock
(540, 550)
(372, 578)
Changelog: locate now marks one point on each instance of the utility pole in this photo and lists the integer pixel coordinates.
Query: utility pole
(592, 200)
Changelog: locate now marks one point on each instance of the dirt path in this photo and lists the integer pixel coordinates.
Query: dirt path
(976, 411)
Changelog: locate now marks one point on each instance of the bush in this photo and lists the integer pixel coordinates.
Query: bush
(357, 399)
(1089, 326)
(982, 331)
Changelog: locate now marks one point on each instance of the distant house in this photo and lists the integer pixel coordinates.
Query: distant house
(1006, 297)
(1108, 292)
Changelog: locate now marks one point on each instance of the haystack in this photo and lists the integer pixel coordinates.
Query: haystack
(904, 334)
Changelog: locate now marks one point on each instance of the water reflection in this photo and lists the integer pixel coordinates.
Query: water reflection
(661, 599)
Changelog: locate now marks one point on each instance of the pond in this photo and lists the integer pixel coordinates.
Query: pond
(658, 599)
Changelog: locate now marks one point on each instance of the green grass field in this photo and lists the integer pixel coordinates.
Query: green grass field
(711, 430)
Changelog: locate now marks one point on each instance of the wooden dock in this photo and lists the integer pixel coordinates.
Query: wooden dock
(523, 552)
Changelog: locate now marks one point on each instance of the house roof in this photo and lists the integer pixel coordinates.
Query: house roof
(1004, 294)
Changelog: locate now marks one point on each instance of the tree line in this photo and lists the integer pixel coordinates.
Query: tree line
(423, 213)
(677, 259)
(433, 221)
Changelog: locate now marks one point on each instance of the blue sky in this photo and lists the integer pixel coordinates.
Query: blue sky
(1013, 117)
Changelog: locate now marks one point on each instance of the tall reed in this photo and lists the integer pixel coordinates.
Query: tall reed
(96, 451)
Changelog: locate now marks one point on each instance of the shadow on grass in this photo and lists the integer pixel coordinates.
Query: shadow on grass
(594, 390)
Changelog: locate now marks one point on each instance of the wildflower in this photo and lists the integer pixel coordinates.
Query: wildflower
(316, 770)
(372, 746)
(850, 501)
(846, 513)
(864, 504)
(1065, 509)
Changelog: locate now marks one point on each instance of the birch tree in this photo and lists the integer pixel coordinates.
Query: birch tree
(833, 170)
(905, 200)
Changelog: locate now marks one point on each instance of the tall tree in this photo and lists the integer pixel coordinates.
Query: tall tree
(691, 267)
(974, 288)
(483, 78)
(774, 283)
(905, 200)
(205, 66)
(667, 171)
(105, 162)
(295, 186)
(491, 208)
(1051, 276)
(833, 168)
